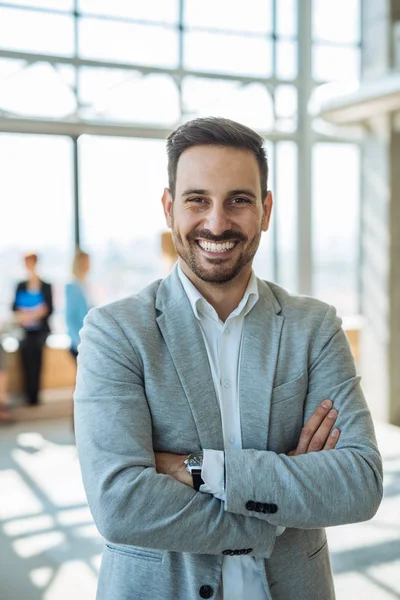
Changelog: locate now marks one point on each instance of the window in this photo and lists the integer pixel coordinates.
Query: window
(133, 43)
(286, 214)
(117, 95)
(160, 11)
(336, 28)
(33, 31)
(121, 213)
(336, 199)
(337, 22)
(228, 53)
(250, 104)
(36, 191)
(39, 90)
(226, 15)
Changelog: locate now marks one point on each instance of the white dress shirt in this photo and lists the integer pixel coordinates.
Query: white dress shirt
(241, 575)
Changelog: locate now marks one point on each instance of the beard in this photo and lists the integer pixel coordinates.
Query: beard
(215, 270)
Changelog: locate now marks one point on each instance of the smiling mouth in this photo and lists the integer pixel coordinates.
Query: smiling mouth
(216, 247)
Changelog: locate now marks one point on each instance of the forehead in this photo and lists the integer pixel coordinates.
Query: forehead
(211, 167)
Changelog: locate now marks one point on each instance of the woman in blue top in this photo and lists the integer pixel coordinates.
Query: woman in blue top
(77, 299)
(33, 304)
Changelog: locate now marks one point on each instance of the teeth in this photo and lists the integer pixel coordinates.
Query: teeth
(213, 247)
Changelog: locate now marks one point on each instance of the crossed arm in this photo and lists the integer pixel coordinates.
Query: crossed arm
(135, 504)
(317, 434)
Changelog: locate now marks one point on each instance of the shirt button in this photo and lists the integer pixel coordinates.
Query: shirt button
(227, 383)
(232, 439)
(227, 331)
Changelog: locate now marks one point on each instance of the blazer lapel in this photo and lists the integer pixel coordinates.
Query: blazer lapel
(182, 334)
(260, 348)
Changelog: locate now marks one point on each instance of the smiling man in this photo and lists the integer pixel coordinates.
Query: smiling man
(219, 419)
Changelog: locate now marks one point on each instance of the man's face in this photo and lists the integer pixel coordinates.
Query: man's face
(218, 214)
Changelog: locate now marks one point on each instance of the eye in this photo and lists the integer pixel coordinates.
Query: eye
(196, 200)
(241, 200)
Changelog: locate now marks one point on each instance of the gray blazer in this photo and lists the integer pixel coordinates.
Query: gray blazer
(144, 384)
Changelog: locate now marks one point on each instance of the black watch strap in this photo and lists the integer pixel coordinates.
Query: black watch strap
(197, 480)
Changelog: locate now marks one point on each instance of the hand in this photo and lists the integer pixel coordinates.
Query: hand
(317, 434)
(173, 465)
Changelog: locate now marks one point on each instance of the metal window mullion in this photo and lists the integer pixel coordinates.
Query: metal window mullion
(75, 139)
(181, 42)
(304, 149)
(75, 149)
(275, 233)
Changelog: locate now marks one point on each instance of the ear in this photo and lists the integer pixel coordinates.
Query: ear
(167, 203)
(267, 209)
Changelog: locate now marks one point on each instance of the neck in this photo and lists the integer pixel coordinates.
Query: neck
(223, 297)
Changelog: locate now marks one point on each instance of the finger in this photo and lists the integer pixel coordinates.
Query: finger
(320, 437)
(312, 425)
(332, 439)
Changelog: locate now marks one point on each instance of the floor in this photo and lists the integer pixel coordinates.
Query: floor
(50, 549)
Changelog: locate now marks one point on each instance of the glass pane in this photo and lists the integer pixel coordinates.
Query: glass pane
(59, 5)
(264, 259)
(286, 213)
(336, 199)
(285, 101)
(332, 63)
(38, 90)
(229, 16)
(286, 17)
(338, 21)
(228, 54)
(30, 31)
(129, 96)
(121, 214)
(286, 60)
(36, 185)
(205, 97)
(142, 44)
(162, 11)
(8, 68)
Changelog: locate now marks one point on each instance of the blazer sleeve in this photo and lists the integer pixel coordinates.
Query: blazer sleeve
(318, 489)
(131, 503)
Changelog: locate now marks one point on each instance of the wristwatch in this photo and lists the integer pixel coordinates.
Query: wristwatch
(194, 463)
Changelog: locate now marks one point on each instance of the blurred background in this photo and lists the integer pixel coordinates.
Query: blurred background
(89, 90)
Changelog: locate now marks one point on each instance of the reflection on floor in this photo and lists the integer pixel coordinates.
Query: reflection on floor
(50, 549)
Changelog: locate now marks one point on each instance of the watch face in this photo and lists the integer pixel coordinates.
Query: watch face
(195, 460)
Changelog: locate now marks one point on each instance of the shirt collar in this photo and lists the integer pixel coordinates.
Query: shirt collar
(200, 306)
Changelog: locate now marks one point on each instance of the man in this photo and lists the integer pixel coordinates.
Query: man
(198, 405)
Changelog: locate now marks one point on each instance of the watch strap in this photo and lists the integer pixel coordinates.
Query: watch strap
(197, 480)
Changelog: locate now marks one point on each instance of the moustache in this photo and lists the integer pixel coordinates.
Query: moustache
(227, 236)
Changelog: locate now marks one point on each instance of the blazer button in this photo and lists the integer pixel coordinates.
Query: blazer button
(259, 507)
(226, 552)
(250, 505)
(271, 508)
(248, 550)
(206, 591)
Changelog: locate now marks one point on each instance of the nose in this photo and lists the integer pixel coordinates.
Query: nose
(217, 220)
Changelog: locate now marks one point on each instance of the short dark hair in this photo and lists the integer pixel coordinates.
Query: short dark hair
(215, 131)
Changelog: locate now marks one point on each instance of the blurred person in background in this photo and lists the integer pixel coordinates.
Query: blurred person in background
(33, 305)
(77, 299)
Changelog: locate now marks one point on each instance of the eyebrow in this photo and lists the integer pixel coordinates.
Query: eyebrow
(229, 195)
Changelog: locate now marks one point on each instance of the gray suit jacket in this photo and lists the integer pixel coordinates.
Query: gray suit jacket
(144, 384)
